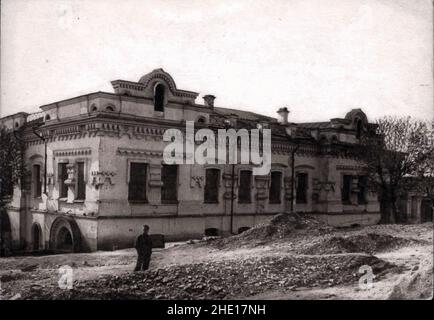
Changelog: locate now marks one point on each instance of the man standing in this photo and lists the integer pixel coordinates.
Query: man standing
(144, 250)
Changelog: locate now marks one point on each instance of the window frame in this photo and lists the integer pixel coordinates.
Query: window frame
(170, 201)
(279, 200)
(218, 184)
(305, 199)
(250, 200)
(147, 166)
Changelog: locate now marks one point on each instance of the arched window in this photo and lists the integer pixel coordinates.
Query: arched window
(93, 108)
(159, 98)
(47, 117)
(359, 129)
(109, 109)
(201, 120)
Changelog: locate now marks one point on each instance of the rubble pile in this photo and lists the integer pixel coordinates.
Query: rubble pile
(370, 243)
(281, 226)
(221, 280)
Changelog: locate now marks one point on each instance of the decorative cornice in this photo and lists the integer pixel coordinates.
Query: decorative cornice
(72, 152)
(139, 152)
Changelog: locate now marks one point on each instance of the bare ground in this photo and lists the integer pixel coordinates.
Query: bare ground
(313, 262)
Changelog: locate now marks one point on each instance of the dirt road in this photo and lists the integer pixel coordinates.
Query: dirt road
(303, 266)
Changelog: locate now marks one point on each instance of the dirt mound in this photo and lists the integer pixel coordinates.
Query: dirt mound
(418, 286)
(368, 243)
(221, 280)
(281, 226)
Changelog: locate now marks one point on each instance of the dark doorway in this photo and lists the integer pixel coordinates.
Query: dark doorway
(37, 234)
(426, 210)
(64, 240)
(5, 235)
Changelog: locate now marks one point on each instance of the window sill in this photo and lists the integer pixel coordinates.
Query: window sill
(63, 199)
(138, 201)
(79, 201)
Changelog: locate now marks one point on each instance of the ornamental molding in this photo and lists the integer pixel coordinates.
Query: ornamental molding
(72, 152)
(139, 152)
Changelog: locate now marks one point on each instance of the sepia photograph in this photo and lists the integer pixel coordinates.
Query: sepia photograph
(231, 153)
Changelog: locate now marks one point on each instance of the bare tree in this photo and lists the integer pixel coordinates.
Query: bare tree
(12, 167)
(403, 147)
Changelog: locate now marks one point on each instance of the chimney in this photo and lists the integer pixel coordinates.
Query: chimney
(283, 113)
(209, 100)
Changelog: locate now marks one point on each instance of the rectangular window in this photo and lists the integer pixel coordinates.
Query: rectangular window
(245, 187)
(81, 186)
(211, 192)
(275, 187)
(63, 175)
(301, 191)
(169, 190)
(362, 186)
(37, 180)
(346, 189)
(137, 185)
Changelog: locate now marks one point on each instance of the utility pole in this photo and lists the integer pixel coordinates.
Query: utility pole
(293, 151)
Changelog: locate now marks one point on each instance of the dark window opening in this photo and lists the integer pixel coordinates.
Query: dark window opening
(110, 109)
(359, 129)
(47, 117)
(63, 175)
(93, 108)
(137, 185)
(159, 98)
(301, 191)
(346, 189)
(275, 187)
(81, 186)
(211, 232)
(169, 190)
(362, 186)
(37, 180)
(211, 192)
(245, 187)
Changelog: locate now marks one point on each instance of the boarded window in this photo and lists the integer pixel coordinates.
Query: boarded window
(81, 186)
(63, 175)
(159, 98)
(301, 191)
(245, 187)
(211, 193)
(169, 190)
(137, 185)
(275, 187)
(37, 180)
(362, 186)
(346, 189)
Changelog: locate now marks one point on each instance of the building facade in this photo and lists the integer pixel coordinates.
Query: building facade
(96, 171)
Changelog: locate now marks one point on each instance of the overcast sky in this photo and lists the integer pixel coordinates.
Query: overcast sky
(320, 58)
